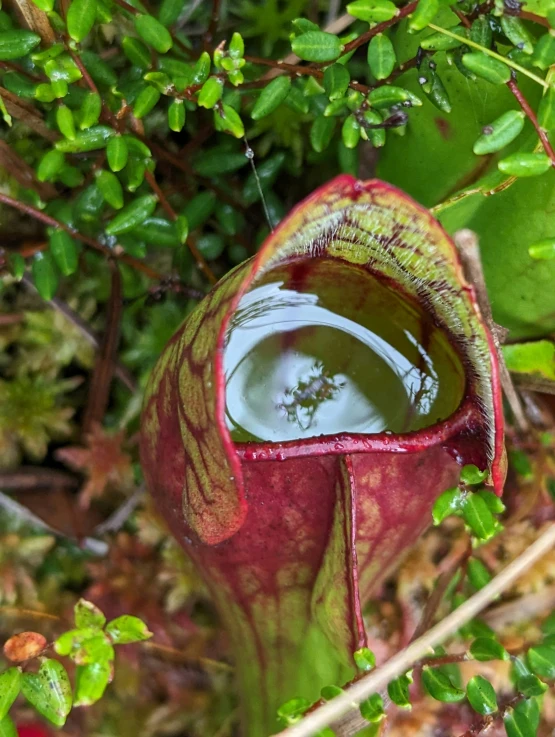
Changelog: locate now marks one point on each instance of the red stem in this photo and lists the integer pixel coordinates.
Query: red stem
(531, 115)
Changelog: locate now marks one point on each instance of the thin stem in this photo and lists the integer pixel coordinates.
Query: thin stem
(348, 702)
(197, 255)
(489, 52)
(380, 28)
(531, 115)
(293, 69)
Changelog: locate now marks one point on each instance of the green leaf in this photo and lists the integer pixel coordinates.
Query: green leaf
(176, 116)
(541, 660)
(49, 691)
(484, 66)
(517, 33)
(211, 92)
(440, 42)
(471, 475)
(478, 517)
(447, 504)
(132, 215)
(350, 132)
(64, 251)
(182, 228)
(146, 100)
(372, 709)
(381, 56)
(7, 728)
(484, 649)
(45, 277)
(211, 245)
(293, 709)
(548, 625)
(364, 659)
(477, 573)
(440, 687)
(91, 682)
(153, 33)
(317, 46)
(87, 140)
(69, 642)
(500, 133)
(86, 614)
(330, 692)
(425, 12)
(117, 153)
(90, 110)
(372, 11)
(10, 684)
(389, 95)
(530, 685)
(15, 44)
(321, 134)
(543, 250)
(50, 165)
(230, 120)
(137, 53)
(536, 357)
(169, 12)
(480, 31)
(126, 629)
(94, 649)
(336, 81)
(398, 691)
(518, 724)
(525, 164)
(492, 500)
(17, 263)
(481, 695)
(201, 70)
(271, 97)
(80, 18)
(65, 122)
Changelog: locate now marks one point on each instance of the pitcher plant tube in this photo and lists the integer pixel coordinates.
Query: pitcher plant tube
(301, 422)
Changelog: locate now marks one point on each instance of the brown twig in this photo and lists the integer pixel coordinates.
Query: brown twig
(380, 27)
(531, 115)
(293, 70)
(101, 381)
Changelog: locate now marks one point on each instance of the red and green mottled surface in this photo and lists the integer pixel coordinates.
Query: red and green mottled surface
(293, 538)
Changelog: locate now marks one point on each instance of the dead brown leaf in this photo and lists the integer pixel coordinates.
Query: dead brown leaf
(24, 646)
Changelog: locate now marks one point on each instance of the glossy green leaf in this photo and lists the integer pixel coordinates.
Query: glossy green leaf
(293, 709)
(492, 500)
(330, 692)
(447, 504)
(365, 659)
(321, 133)
(45, 276)
(169, 12)
(487, 648)
(350, 132)
(381, 56)
(95, 649)
(137, 53)
(91, 682)
(500, 133)
(484, 66)
(425, 12)
(372, 709)
(201, 70)
(317, 46)
(517, 722)
(530, 685)
(117, 153)
(372, 11)
(433, 87)
(146, 101)
(210, 245)
(49, 691)
(229, 120)
(87, 614)
(398, 691)
(153, 33)
(210, 92)
(336, 81)
(110, 188)
(65, 122)
(10, 684)
(525, 164)
(90, 110)
(87, 140)
(64, 251)
(517, 33)
(389, 95)
(126, 629)
(478, 517)
(101, 72)
(176, 115)
(536, 358)
(375, 135)
(481, 695)
(546, 110)
(472, 475)
(158, 232)
(544, 52)
(440, 42)
(50, 165)
(18, 43)
(271, 97)
(80, 18)
(7, 728)
(477, 573)
(541, 660)
(17, 263)
(69, 642)
(480, 31)
(182, 228)
(132, 215)
(440, 687)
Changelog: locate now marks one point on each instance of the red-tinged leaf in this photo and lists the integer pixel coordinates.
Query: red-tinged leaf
(24, 646)
(295, 535)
